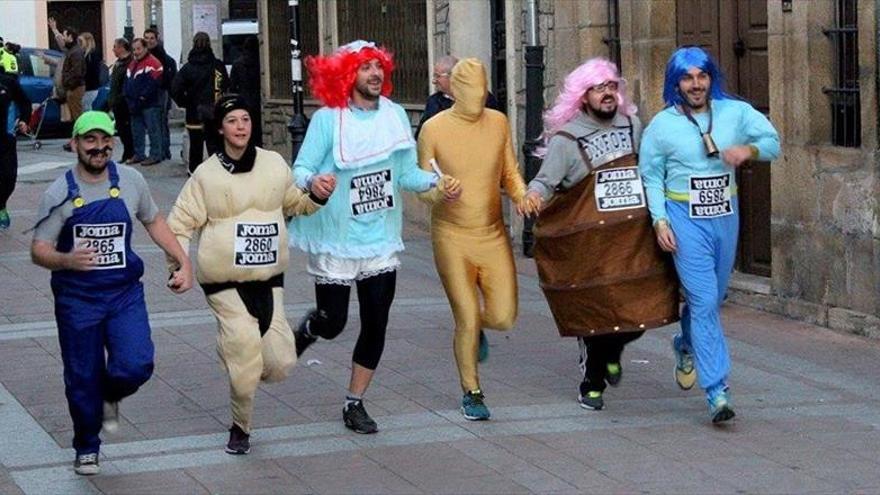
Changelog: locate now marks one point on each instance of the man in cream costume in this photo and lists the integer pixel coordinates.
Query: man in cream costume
(237, 201)
(471, 247)
(365, 141)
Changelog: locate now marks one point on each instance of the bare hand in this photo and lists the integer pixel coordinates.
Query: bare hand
(323, 185)
(665, 237)
(450, 187)
(53, 25)
(736, 155)
(181, 280)
(526, 207)
(23, 127)
(81, 258)
(535, 202)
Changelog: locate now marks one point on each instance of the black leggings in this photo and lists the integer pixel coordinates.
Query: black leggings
(597, 352)
(8, 167)
(198, 137)
(375, 295)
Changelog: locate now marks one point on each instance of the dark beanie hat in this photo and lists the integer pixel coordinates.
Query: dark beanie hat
(227, 104)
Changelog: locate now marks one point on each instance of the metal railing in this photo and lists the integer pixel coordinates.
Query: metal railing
(613, 38)
(845, 98)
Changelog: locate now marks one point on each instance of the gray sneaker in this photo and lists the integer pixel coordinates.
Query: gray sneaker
(86, 464)
(110, 423)
(685, 373)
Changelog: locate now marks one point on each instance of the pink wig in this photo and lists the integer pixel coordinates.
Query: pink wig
(570, 100)
(332, 77)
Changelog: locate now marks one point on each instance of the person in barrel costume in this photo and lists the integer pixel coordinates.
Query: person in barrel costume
(604, 278)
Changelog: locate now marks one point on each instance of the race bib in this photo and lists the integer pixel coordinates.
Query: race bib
(107, 238)
(371, 192)
(256, 244)
(619, 189)
(710, 196)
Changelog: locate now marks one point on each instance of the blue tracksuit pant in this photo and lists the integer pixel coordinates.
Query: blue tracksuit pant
(706, 251)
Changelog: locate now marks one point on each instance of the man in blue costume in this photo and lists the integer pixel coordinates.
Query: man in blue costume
(688, 160)
(84, 238)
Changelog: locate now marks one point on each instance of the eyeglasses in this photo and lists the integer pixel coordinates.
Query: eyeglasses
(436, 76)
(605, 86)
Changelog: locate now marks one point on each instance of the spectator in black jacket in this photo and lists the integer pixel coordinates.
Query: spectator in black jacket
(245, 80)
(169, 70)
(443, 99)
(116, 99)
(14, 103)
(197, 87)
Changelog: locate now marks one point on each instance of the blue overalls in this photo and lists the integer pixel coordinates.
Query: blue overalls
(98, 309)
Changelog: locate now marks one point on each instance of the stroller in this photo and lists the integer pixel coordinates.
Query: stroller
(36, 124)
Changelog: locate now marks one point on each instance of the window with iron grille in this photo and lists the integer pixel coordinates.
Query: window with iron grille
(280, 83)
(846, 126)
(613, 38)
(242, 9)
(400, 26)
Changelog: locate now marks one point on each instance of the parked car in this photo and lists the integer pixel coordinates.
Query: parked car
(36, 78)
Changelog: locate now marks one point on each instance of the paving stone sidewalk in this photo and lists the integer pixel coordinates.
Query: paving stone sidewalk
(806, 398)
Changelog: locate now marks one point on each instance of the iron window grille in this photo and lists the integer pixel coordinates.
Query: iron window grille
(612, 40)
(846, 125)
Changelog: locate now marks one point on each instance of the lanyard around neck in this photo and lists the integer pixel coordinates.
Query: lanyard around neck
(687, 113)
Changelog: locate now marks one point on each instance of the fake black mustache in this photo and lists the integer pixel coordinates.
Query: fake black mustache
(106, 150)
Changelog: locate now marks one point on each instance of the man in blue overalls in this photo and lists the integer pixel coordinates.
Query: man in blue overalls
(84, 237)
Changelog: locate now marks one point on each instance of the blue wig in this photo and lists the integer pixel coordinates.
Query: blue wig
(682, 60)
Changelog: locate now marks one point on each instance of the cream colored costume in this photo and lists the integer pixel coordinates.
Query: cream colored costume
(471, 247)
(242, 251)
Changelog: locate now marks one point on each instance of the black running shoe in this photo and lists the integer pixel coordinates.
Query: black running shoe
(239, 441)
(357, 419)
(614, 372)
(302, 335)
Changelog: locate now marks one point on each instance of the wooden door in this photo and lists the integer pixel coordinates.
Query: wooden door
(735, 33)
(750, 49)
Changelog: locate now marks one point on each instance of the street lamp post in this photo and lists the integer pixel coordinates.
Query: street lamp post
(534, 54)
(298, 122)
(153, 14)
(129, 25)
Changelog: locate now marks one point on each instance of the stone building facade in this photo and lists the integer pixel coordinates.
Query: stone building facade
(811, 233)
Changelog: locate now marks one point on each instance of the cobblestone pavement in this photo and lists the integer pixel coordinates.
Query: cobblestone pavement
(806, 398)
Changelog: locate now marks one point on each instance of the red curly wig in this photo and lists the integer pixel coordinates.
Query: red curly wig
(331, 78)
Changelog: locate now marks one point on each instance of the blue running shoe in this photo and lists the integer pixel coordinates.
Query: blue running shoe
(473, 408)
(719, 407)
(484, 347)
(4, 220)
(685, 373)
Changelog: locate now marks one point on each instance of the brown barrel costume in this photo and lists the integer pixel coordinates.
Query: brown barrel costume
(602, 271)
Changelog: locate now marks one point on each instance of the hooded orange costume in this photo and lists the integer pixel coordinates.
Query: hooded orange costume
(471, 247)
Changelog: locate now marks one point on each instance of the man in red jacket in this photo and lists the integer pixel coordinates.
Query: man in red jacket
(142, 83)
